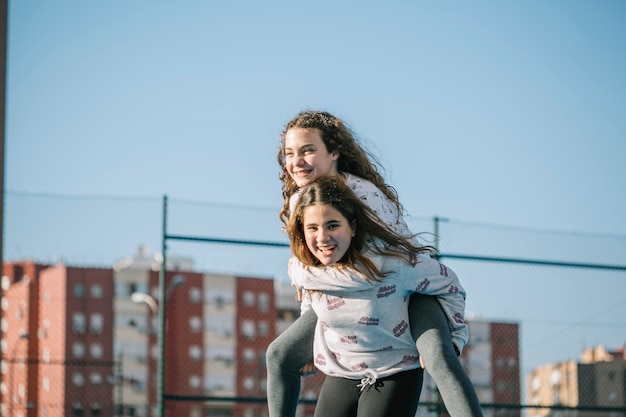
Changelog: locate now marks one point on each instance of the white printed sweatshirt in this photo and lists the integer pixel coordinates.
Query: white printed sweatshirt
(387, 211)
(363, 330)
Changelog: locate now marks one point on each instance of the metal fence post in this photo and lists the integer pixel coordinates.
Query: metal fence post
(160, 380)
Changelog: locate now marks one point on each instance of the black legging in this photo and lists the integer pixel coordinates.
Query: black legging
(393, 396)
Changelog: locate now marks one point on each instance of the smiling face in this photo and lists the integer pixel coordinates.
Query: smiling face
(327, 232)
(306, 156)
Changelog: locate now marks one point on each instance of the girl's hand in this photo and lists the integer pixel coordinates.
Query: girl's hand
(308, 369)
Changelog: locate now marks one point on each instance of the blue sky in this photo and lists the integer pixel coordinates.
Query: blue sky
(508, 113)
(504, 112)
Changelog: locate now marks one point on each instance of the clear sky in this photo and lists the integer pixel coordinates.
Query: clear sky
(510, 113)
(504, 112)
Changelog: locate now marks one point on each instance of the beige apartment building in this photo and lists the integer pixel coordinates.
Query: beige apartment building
(598, 380)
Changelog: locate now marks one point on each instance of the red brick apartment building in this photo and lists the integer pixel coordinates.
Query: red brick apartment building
(56, 340)
(491, 360)
(74, 343)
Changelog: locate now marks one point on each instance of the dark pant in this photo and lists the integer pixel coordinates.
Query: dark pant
(393, 396)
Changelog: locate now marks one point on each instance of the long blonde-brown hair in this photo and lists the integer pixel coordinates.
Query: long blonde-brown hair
(337, 137)
(370, 232)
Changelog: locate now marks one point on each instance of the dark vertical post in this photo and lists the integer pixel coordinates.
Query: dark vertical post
(119, 384)
(161, 317)
(436, 233)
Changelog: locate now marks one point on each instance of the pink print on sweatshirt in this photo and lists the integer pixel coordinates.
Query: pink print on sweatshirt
(400, 329)
(333, 303)
(386, 291)
(422, 286)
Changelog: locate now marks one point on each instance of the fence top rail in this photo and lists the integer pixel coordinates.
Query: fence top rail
(533, 261)
(440, 256)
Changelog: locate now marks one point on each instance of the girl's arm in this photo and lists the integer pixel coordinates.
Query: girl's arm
(329, 278)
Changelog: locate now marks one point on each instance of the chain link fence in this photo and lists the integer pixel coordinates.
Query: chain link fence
(538, 301)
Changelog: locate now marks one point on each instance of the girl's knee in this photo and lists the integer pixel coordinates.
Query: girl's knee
(274, 355)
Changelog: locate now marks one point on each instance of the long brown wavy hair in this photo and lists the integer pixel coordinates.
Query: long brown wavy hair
(370, 232)
(337, 137)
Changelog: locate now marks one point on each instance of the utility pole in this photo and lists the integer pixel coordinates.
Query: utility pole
(3, 75)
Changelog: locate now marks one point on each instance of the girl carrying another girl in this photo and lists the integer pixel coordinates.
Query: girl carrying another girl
(362, 339)
(314, 145)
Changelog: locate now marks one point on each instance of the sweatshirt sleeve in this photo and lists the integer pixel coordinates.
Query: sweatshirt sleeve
(330, 278)
(380, 204)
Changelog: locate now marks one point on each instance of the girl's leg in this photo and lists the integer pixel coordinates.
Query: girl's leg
(430, 329)
(285, 356)
(393, 396)
(339, 397)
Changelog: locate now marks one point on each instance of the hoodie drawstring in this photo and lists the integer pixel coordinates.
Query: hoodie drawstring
(366, 382)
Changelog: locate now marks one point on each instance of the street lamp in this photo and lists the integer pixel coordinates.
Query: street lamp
(139, 297)
(159, 308)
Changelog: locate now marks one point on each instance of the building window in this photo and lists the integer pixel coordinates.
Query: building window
(96, 291)
(77, 409)
(96, 409)
(535, 384)
(195, 352)
(195, 295)
(263, 328)
(78, 323)
(45, 383)
(248, 384)
(195, 381)
(247, 329)
(78, 349)
(248, 355)
(120, 289)
(79, 290)
(95, 378)
(96, 350)
(195, 324)
(264, 302)
(248, 299)
(78, 379)
(96, 323)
